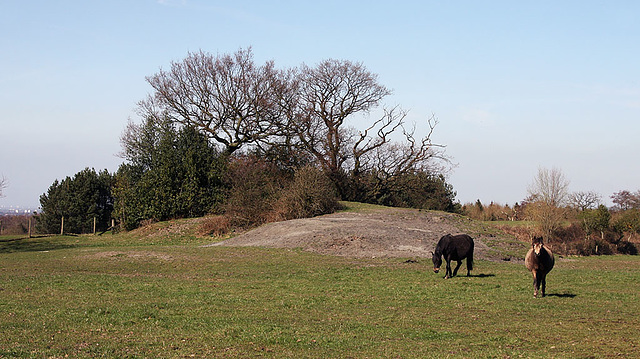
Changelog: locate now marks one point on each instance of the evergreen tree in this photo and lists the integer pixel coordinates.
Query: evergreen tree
(80, 200)
(169, 173)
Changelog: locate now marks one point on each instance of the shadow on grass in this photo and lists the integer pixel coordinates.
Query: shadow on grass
(561, 295)
(34, 244)
(481, 275)
(473, 276)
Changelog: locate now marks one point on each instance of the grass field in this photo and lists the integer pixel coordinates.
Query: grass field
(165, 296)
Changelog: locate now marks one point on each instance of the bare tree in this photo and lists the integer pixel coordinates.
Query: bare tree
(227, 96)
(547, 194)
(297, 113)
(549, 186)
(548, 218)
(625, 200)
(335, 91)
(328, 95)
(389, 159)
(584, 200)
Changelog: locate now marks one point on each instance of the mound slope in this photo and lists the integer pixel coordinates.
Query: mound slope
(387, 232)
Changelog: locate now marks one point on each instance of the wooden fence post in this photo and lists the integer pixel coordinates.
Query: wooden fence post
(62, 226)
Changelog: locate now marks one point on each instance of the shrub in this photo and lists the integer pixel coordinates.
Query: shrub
(549, 218)
(491, 212)
(260, 191)
(624, 247)
(412, 190)
(80, 200)
(592, 246)
(254, 187)
(169, 173)
(310, 194)
(216, 226)
(16, 224)
(627, 223)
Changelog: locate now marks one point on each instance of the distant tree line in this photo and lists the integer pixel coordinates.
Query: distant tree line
(574, 222)
(254, 143)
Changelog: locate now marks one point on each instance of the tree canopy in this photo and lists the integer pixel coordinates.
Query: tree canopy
(229, 97)
(324, 131)
(304, 115)
(80, 199)
(168, 173)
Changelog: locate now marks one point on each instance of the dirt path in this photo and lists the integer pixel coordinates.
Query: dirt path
(387, 232)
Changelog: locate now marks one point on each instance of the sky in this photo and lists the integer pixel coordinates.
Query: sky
(515, 86)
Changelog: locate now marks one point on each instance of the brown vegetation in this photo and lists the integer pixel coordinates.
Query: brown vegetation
(260, 192)
(16, 224)
(568, 231)
(492, 212)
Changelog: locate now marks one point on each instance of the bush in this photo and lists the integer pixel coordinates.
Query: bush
(624, 247)
(410, 190)
(215, 226)
(627, 223)
(169, 174)
(259, 192)
(592, 246)
(254, 187)
(16, 224)
(549, 218)
(491, 212)
(310, 194)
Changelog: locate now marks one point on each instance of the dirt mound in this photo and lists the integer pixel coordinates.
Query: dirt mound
(388, 232)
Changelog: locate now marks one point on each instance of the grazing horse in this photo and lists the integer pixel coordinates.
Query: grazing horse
(539, 261)
(455, 248)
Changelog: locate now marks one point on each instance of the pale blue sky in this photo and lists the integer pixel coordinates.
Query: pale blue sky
(515, 85)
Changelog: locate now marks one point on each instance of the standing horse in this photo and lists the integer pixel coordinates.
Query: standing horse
(455, 248)
(539, 261)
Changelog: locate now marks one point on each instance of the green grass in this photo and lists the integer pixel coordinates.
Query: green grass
(360, 207)
(143, 296)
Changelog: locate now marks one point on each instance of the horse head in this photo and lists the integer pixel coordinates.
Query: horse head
(437, 261)
(537, 245)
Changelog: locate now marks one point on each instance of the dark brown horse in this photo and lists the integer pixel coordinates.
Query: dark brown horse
(455, 248)
(539, 261)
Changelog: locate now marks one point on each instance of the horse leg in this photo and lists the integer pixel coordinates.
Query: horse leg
(536, 284)
(455, 271)
(469, 265)
(543, 281)
(448, 272)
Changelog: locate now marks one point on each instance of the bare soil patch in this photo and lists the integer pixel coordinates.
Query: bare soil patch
(133, 255)
(386, 232)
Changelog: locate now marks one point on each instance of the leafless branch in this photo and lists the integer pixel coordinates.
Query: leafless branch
(228, 97)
